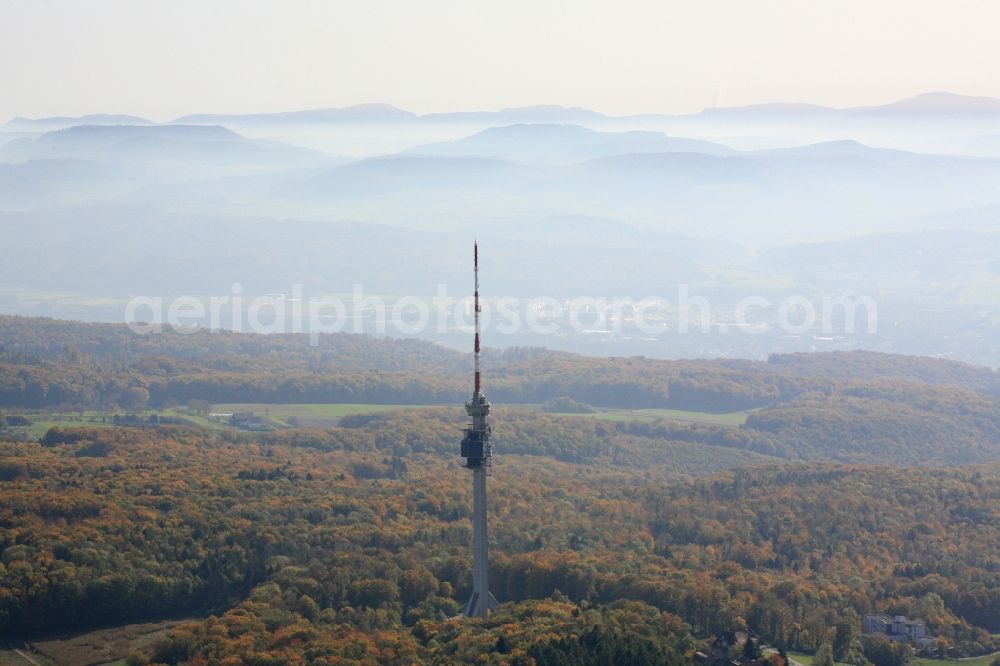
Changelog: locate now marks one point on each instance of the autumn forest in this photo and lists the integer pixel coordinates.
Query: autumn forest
(852, 483)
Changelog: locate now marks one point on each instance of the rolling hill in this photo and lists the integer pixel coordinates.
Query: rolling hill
(557, 144)
(159, 143)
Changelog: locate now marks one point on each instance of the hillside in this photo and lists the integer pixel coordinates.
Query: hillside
(847, 407)
(864, 365)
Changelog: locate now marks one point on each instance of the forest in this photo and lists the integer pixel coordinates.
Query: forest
(316, 547)
(858, 483)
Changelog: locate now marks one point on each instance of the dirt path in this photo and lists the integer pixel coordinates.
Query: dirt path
(25, 656)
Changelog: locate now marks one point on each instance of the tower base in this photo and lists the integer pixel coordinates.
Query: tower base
(480, 606)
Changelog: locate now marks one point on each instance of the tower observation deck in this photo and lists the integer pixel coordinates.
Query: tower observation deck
(478, 454)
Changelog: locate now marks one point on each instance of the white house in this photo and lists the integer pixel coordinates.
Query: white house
(897, 628)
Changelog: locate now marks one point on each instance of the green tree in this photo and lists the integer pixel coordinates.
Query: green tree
(308, 607)
(417, 584)
(824, 656)
(751, 649)
(843, 639)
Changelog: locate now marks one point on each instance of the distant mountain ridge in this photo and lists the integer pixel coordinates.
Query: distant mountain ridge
(785, 109)
(935, 103)
(355, 113)
(91, 119)
(925, 104)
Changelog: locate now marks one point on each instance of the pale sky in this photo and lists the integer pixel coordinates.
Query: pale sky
(164, 58)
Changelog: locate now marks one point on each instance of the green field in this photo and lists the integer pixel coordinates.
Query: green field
(984, 660)
(801, 657)
(276, 415)
(314, 414)
(805, 658)
(43, 421)
(725, 419)
(279, 413)
(326, 415)
(307, 410)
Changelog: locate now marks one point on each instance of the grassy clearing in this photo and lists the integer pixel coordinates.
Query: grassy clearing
(731, 419)
(801, 657)
(807, 659)
(310, 414)
(277, 415)
(14, 656)
(305, 410)
(984, 660)
(43, 421)
(327, 415)
(104, 646)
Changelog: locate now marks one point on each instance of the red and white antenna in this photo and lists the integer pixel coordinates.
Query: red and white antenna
(478, 454)
(475, 270)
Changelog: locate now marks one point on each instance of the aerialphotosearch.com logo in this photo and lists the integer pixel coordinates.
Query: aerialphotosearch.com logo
(410, 315)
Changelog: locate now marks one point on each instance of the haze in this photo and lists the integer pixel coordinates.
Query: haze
(162, 59)
(203, 175)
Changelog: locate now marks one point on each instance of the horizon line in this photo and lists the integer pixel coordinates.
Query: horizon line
(570, 107)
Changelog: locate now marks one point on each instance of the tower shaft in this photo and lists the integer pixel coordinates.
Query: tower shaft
(482, 602)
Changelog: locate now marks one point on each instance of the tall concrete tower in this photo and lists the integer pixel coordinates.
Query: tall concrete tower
(478, 454)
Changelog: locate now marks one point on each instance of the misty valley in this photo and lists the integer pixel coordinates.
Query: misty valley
(571, 204)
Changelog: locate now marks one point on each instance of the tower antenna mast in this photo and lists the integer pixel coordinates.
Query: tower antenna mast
(475, 272)
(478, 454)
